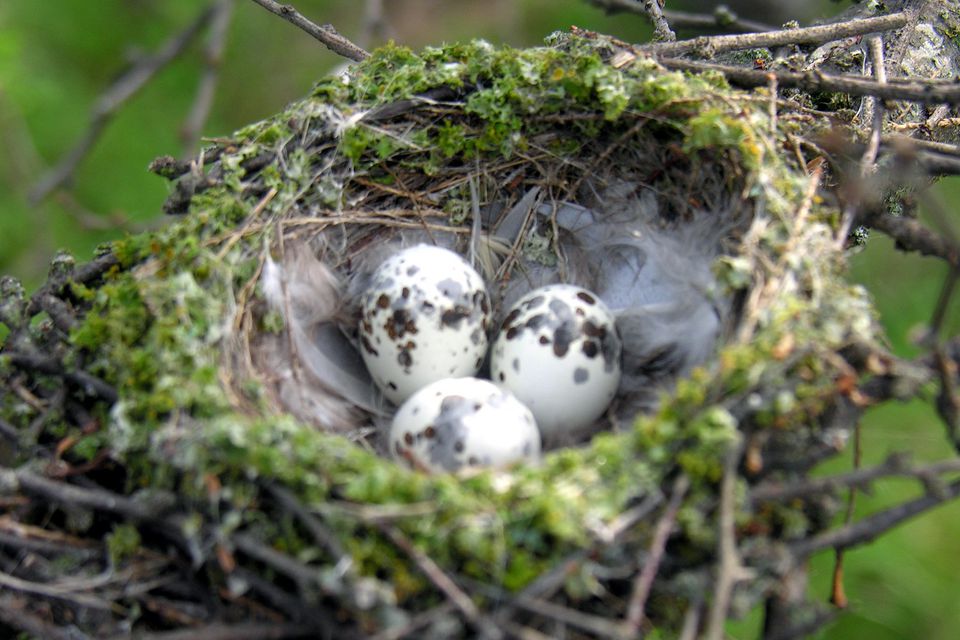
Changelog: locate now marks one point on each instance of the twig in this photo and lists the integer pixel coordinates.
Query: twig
(872, 526)
(923, 92)
(320, 533)
(911, 235)
(212, 59)
(869, 158)
(247, 631)
(13, 613)
(325, 34)
(71, 495)
(125, 87)
(893, 466)
(375, 25)
(9, 431)
(801, 35)
(721, 18)
(90, 384)
(730, 569)
(415, 623)
(283, 563)
(643, 583)
(661, 28)
(599, 626)
(55, 591)
(435, 574)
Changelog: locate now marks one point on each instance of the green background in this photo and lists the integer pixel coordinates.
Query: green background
(56, 57)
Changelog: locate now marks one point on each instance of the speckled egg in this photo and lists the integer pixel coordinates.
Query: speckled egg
(459, 423)
(424, 318)
(559, 352)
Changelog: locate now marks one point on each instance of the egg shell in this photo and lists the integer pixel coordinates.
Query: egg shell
(559, 352)
(459, 423)
(424, 317)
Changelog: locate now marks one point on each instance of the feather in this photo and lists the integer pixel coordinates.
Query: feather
(319, 373)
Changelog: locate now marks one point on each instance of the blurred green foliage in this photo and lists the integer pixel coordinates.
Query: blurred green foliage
(56, 58)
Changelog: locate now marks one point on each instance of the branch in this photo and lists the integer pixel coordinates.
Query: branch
(325, 34)
(911, 235)
(721, 18)
(661, 28)
(730, 569)
(124, 88)
(873, 526)
(242, 631)
(67, 494)
(709, 45)
(90, 384)
(643, 583)
(212, 59)
(894, 465)
(923, 92)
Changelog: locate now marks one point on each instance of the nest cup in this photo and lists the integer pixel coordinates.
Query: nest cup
(668, 195)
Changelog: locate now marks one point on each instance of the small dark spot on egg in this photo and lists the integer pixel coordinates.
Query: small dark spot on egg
(502, 376)
(590, 349)
(544, 340)
(593, 330)
(412, 270)
(458, 446)
(408, 438)
(512, 332)
(405, 292)
(427, 307)
(453, 317)
(535, 322)
(516, 364)
(586, 297)
(477, 406)
(367, 346)
(561, 340)
(533, 302)
(405, 359)
(430, 432)
(383, 301)
(580, 375)
(392, 386)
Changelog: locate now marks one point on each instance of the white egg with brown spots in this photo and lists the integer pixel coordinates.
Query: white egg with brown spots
(461, 423)
(558, 351)
(424, 317)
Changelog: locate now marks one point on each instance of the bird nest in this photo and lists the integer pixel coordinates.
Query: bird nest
(184, 459)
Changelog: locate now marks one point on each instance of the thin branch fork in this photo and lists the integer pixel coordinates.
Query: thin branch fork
(325, 34)
(871, 527)
(128, 85)
(894, 466)
(801, 35)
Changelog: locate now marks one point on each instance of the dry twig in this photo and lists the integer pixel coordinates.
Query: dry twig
(325, 34)
(801, 35)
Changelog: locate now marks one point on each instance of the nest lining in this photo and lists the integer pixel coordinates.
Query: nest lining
(339, 181)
